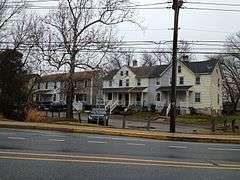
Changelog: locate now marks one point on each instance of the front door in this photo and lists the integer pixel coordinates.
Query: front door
(126, 99)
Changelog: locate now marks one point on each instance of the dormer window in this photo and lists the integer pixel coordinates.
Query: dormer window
(121, 73)
(120, 82)
(179, 69)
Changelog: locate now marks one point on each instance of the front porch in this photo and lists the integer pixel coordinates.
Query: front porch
(184, 99)
(124, 97)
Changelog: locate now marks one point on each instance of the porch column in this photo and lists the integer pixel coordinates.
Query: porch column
(117, 96)
(187, 98)
(129, 98)
(104, 98)
(142, 99)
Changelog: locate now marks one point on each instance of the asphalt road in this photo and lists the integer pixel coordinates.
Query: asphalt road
(31, 155)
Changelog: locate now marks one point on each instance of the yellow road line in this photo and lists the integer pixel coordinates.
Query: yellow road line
(104, 158)
(114, 160)
(119, 163)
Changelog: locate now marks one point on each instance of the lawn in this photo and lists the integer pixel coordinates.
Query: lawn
(203, 119)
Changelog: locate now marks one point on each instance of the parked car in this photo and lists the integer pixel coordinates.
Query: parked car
(98, 115)
(44, 105)
(58, 106)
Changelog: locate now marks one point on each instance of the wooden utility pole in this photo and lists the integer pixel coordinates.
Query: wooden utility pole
(176, 7)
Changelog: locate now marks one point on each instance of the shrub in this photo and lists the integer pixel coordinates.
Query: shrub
(33, 115)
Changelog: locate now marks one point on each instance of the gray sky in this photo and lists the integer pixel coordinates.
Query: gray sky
(196, 25)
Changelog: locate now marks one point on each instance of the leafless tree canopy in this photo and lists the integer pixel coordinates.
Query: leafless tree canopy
(70, 35)
(231, 69)
(8, 10)
(184, 48)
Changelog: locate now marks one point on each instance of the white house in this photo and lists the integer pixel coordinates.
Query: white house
(52, 88)
(199, 87)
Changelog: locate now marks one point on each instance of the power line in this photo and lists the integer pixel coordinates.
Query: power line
(212, 9)
(214, 3)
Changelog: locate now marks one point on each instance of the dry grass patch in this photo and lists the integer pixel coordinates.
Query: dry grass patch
(34, 115)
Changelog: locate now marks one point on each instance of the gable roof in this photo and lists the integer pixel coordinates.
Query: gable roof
(201, 67)
(141, 72)
(82, 75)
(148, 71)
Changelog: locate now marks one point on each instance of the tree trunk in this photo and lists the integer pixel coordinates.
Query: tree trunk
(70, 88)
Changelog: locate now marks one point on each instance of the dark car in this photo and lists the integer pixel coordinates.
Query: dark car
(58, 106)
(98, 116)
(44, 105)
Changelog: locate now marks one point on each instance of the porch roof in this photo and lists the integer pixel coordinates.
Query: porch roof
(126, 89)
(43, 91)
(137, 89)
(116, 89)
(178, 88)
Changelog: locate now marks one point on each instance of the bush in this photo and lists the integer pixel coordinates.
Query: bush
(33, 115)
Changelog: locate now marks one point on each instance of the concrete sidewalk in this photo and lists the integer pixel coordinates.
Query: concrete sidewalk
(123, 132)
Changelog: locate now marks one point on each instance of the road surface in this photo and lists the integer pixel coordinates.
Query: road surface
(31, 155)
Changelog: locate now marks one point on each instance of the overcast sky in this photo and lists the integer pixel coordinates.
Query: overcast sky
(194, 24)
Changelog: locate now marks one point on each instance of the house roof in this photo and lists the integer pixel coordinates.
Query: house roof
(201, 67)
(148, 71)
(63, 76)
(144, 71)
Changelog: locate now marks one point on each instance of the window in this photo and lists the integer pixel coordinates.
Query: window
(120, 82)
(179, 69)
(218, 99)
(126, 73)
(121, 73)
(218, 82)
(158, 82)
(170, 81)
(158, 97)
(54, 97)
(198, 80)
(85, 83)
(120, 97)
(110, 83)
(181, 80)
(109, 96)
(139, 82)
(55, 85)
(127, 82)
(46, 85)
(81, 97)
(38, 86)
(197, 97)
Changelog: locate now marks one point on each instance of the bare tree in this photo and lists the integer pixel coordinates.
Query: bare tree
(69, 35)
(149, 60)
(118, 59)
(8, 10)
(231, 69)
(164, 57)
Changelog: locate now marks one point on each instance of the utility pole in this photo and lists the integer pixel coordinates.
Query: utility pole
(177, 4)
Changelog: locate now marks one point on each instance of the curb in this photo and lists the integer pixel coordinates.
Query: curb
(124, 132)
